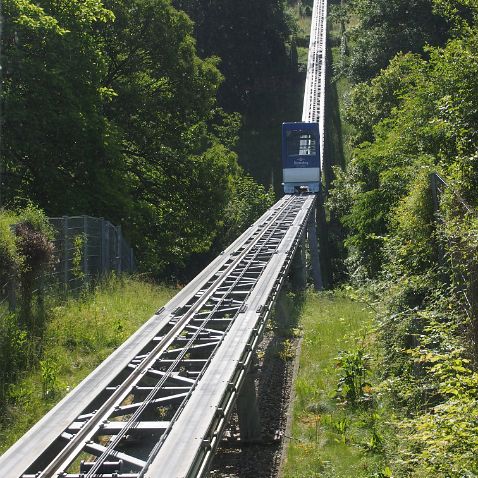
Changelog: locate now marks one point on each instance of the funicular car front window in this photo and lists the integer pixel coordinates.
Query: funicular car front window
(300, 143)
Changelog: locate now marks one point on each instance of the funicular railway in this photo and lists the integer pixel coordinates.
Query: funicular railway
(158, 406)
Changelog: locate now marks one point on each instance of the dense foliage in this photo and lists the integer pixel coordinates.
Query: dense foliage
(81, 332)
(249, 37)
(109, 111)
(260, 67)
(387, 27)
(414, 244)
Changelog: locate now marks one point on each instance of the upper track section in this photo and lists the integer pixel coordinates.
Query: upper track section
(314, 95)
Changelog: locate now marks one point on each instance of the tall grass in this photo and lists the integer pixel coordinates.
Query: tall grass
(78, 336)
(330, 439)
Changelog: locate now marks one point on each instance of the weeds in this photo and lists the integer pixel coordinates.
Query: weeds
(80, 334)
(341, 426)
(375, 443)
(77, 260)
(385, 473)
(335, 409)
(353, 387)
(287, 352)
(49, 378)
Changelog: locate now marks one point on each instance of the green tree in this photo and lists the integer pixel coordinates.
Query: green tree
(173, 134)
(387, 27)
(417, 116)
(57, 146)
(373, 101)
(109, 111)
(424, 119)
(249, 37)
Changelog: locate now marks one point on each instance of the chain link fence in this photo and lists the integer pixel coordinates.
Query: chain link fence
(85, 248)
(89, 247)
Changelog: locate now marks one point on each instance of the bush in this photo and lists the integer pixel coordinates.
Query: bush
(26, 252)
(26, 246)
(34, 245)
(248, 202)
(10, 260)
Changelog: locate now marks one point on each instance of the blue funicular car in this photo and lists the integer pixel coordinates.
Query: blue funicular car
(301, 157)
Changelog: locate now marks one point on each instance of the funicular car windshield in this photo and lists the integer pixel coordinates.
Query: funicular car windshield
(300, 143)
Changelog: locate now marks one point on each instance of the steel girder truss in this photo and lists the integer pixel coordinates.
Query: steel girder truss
(172, 387)
(314, 96)
(158, 405)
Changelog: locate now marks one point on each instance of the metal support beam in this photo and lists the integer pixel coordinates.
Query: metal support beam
(314, 252)
(248, 410)
(282, 312)
(299, 268)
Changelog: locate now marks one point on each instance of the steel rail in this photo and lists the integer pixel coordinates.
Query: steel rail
(29, 448)
(251, 261)
(184, 323)
(313, 110)
(263, 234)
(222, 381)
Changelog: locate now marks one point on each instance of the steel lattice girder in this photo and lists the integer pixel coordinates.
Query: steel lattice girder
(314, 95)
(145, 396)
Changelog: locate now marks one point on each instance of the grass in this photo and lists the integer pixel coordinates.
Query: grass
(80, 334)
(303, 21)
(330, 438)
(342, 88)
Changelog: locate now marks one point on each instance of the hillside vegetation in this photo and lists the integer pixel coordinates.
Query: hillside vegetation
(258, 45)
(116, 109)
(411, 238)
(78, 336)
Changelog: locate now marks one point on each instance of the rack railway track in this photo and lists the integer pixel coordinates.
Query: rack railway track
(157, 407)
(313, 110)
(137, 414)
